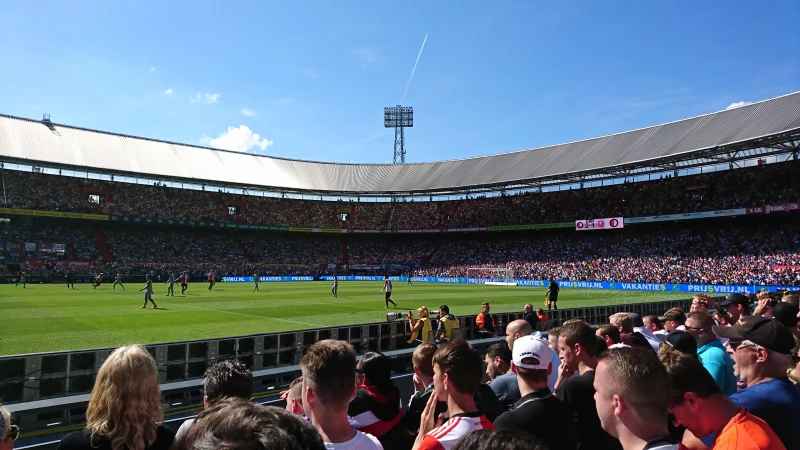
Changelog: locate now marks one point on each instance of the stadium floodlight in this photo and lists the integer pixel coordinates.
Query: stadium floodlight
(399, 118)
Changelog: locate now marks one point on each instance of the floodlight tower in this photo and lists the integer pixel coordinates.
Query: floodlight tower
(399, 117)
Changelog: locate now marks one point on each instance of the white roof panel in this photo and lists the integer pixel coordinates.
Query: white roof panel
(39, 143)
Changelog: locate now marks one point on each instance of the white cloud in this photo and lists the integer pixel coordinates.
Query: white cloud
(168, 91)
(205, 98)
(240, 139)
(248, 112)
(737, 104)
(366, 56)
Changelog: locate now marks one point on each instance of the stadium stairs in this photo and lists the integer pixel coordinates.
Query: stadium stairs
(102, 245)
(428, 258)
(71, 253)
(241, 246)
(388, 224)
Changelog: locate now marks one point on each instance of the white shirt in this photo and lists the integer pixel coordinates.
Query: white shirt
(184, 428)
(651, 339)
(361, 441)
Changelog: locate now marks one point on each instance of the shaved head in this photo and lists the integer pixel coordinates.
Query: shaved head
(516, 330)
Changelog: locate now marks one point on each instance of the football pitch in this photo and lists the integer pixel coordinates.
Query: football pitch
(45, 317)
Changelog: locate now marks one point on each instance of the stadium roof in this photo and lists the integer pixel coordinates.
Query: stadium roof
(721, 136)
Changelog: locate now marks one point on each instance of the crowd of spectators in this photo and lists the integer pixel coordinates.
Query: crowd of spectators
(293, 248)
(290, 212)
(161, 202)
(38, 191)
(765, 254)
(173, 247)
(368, 251)
(79, 242)
(371, 216)
(410, 251)
(421, 215)
(743, 255)
(749, 187)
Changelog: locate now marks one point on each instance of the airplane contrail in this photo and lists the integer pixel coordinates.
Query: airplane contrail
(415, 68)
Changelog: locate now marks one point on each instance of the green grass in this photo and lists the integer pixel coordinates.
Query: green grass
(46, 317)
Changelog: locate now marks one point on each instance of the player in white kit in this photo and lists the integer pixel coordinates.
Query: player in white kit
(148, 291)
(387, 287)
(118, 281)
(171, 285)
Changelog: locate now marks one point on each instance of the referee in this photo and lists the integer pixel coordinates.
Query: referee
(551, 296)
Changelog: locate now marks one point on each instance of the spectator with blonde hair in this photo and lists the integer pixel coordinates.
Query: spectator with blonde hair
(8, 433)
(124, 411)
(627, 334)
(421, 329)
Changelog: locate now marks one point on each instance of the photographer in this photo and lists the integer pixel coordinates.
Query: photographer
(447, 322)
(422, 325)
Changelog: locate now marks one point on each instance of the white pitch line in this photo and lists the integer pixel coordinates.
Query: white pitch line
(245, 314)
(237, 313)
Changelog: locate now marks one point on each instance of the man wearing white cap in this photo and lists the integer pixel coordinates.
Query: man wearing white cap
(520, 328)
(538, 411)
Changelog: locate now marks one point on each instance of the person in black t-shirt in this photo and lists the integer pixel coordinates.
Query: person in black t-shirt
(538, 411)
(633, 397)
(551, 296)
(577, 346)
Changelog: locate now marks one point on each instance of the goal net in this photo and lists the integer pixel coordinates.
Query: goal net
(493, 276)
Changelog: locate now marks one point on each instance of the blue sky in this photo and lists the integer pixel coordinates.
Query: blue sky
(311, 78)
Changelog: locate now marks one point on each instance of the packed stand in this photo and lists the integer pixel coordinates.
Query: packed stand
(161, 202)
(31, 190)
(749, 187)
(290, 213)
(421, 215)
(371, 216)
(411, 252)
(293, 249)
(81, 242)
(757, 186)
(693, 256)
(172, 247)
(368, 251)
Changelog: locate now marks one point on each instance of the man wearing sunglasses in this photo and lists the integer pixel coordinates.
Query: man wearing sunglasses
(762, 351)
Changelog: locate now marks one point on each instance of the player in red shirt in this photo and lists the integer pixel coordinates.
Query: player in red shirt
(97, 279)
(211, 281)
(184, 282)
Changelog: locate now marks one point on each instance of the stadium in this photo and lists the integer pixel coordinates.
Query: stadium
(638, 221)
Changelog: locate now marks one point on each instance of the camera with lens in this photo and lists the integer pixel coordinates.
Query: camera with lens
(396, 316)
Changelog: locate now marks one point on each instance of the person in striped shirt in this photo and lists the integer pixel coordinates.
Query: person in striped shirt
(457, 372)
